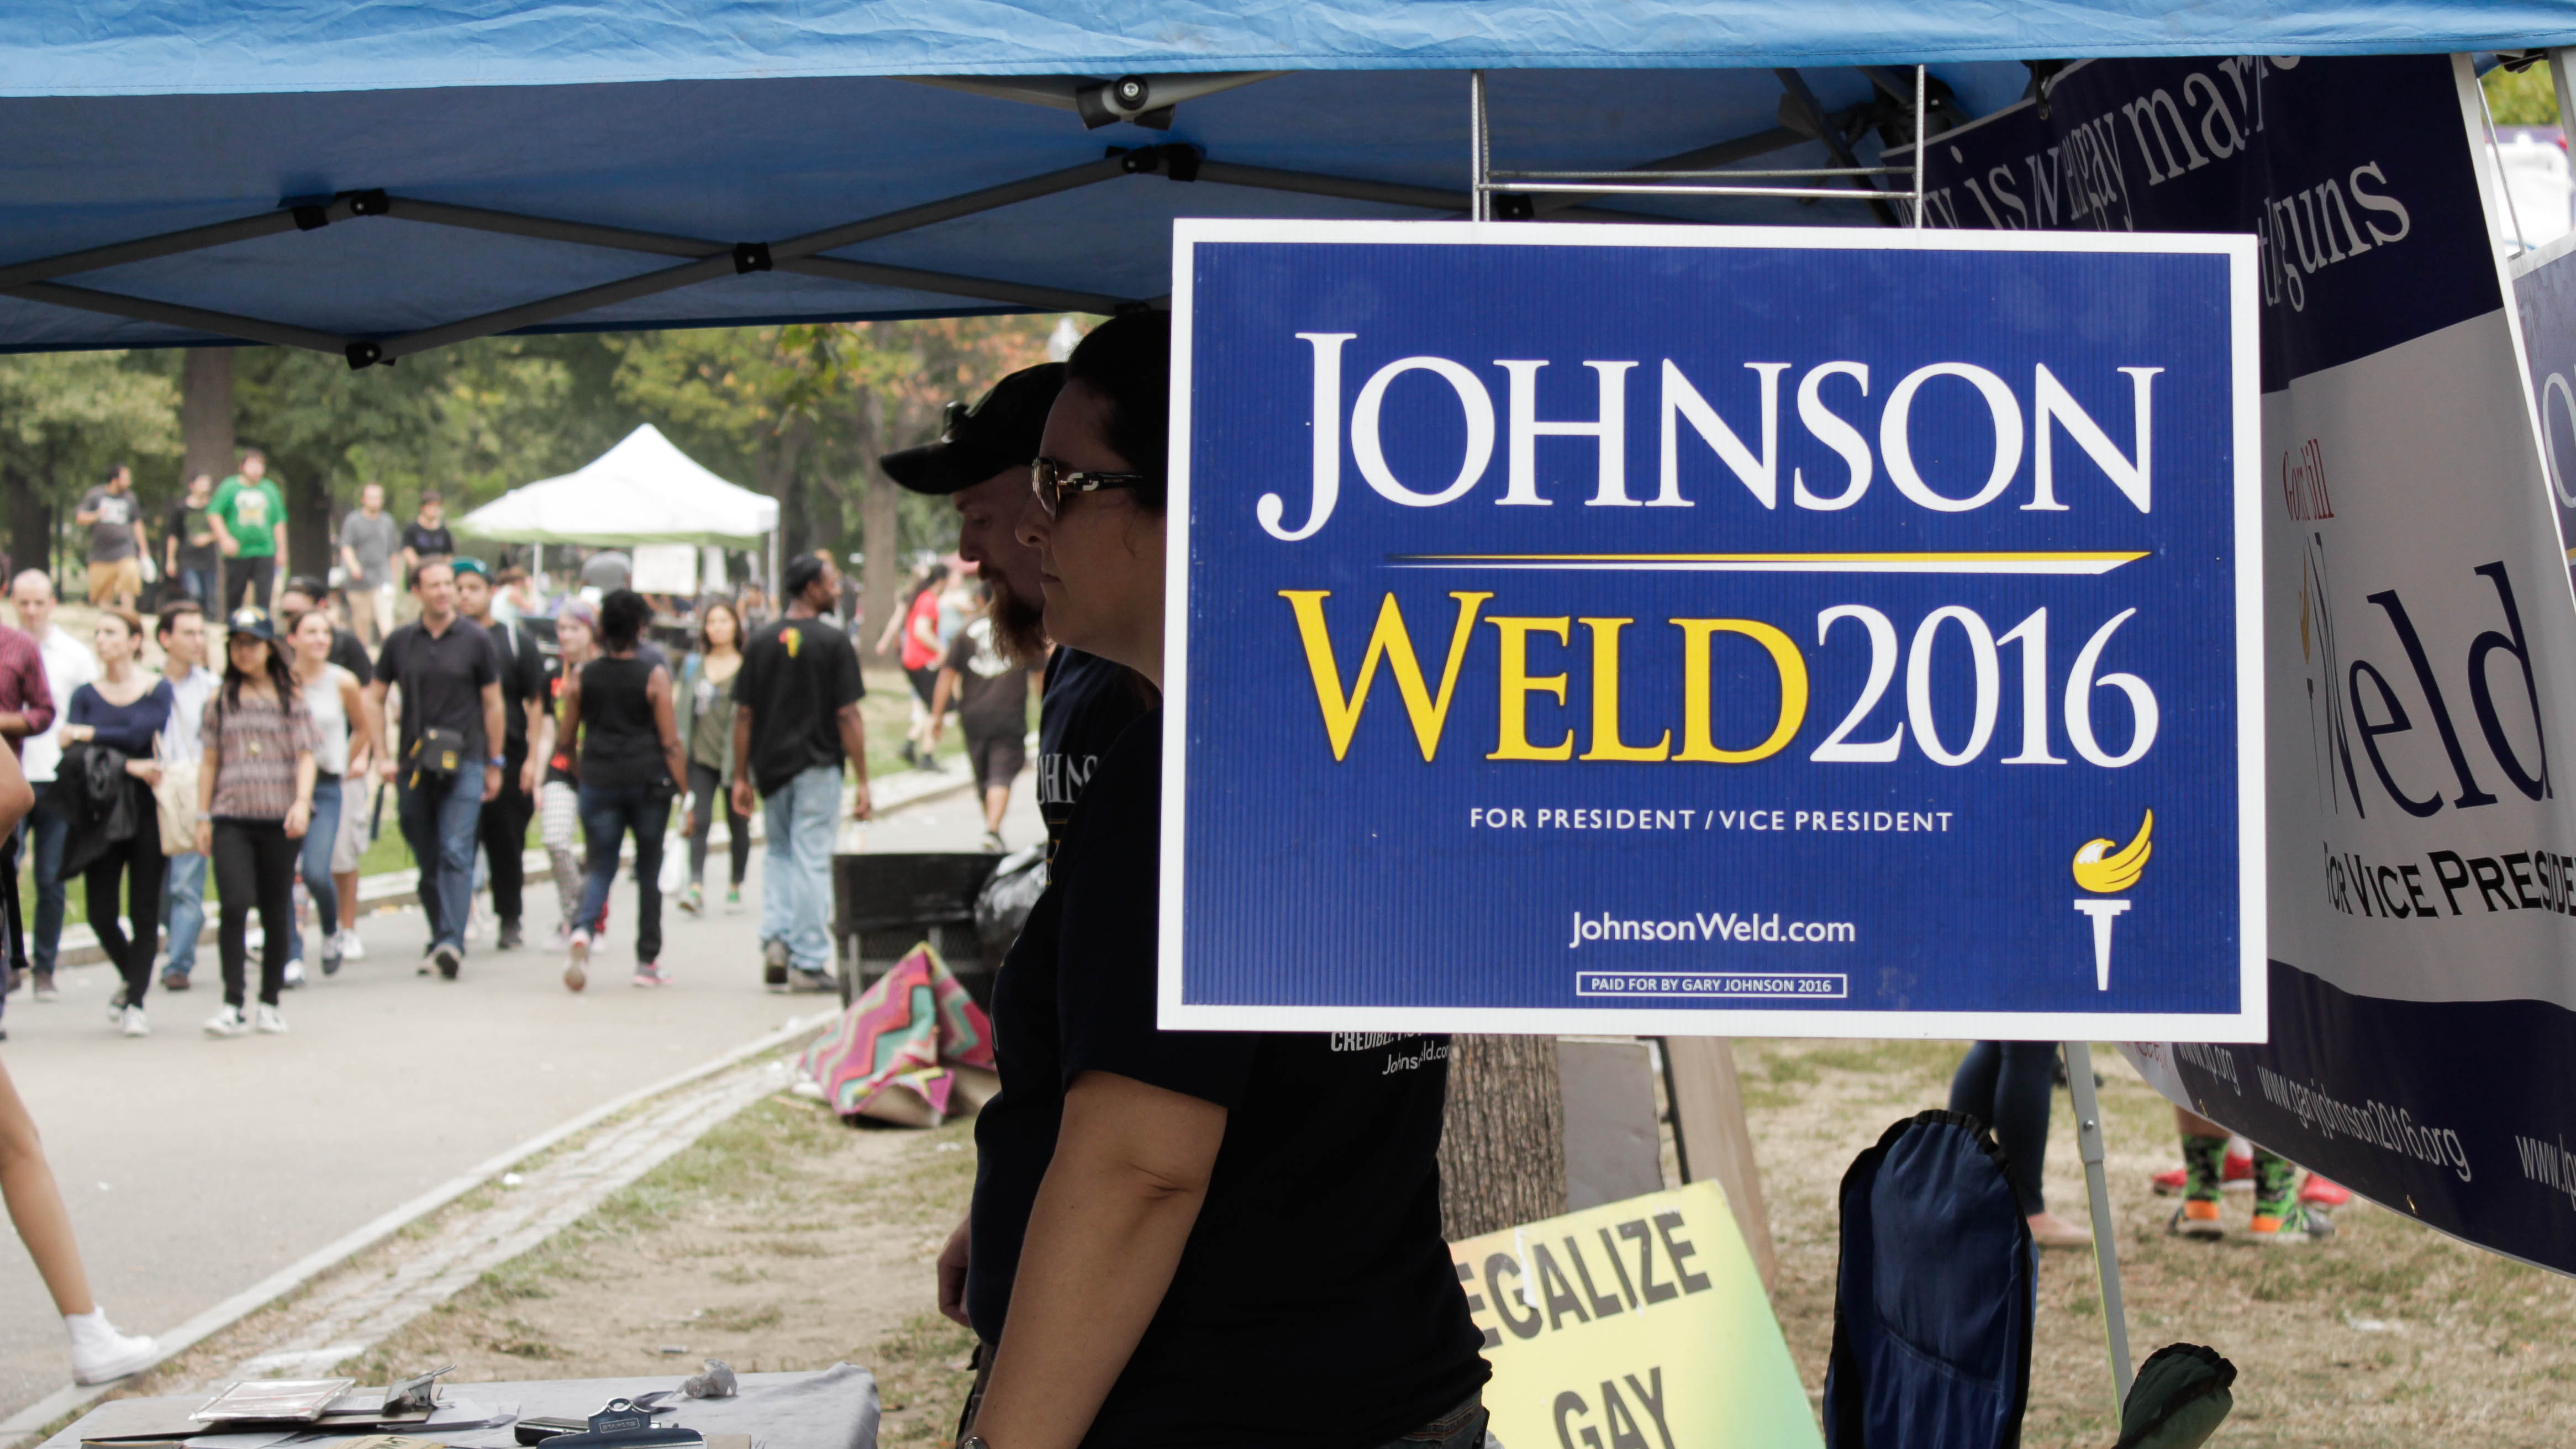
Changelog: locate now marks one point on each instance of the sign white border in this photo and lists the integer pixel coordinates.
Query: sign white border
(2248, 1023)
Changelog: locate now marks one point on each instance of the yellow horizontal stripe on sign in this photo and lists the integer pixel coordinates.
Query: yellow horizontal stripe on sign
(1789, 563)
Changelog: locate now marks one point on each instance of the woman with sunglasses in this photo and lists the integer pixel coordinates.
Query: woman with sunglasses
(1133, 1185)
(255, 798)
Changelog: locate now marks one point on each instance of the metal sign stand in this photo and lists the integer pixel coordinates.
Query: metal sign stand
(1855, 183)
(2106, 1247)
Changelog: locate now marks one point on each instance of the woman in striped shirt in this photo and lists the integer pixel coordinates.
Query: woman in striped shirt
(255, 798)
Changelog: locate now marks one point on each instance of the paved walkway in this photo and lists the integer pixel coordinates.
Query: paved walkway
(195, 1168)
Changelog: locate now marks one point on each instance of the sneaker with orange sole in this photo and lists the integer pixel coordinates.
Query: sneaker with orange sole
(2196, 1218)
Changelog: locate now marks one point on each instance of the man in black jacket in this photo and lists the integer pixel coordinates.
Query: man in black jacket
(525, 699)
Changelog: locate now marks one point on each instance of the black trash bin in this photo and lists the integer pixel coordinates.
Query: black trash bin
(886, 903)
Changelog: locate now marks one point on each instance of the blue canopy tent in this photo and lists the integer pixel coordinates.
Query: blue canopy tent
(377, 180)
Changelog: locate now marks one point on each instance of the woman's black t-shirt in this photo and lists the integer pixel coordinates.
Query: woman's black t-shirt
(1315, 1303)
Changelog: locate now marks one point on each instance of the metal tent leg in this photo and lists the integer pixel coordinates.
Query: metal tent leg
(2106, 1247)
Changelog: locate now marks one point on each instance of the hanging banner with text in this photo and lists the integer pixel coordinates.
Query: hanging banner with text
(1639, 1322)
(1723, 630)
(2421, 1045)
(2544, 293)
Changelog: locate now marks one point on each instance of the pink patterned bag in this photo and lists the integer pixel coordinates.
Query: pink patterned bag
(913, 1050)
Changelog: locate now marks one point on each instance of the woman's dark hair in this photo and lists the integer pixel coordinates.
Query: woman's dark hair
(706, 612)
(622, 617)
(1128, 360)
(281, 675)
(925, 578)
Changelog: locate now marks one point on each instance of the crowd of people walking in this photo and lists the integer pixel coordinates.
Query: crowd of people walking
(479, 708)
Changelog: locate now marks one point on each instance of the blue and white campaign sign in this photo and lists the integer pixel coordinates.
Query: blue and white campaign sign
(1713, 630)
(2422, 1042)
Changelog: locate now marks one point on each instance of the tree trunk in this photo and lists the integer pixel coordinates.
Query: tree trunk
(308, 526)
(880, 541)
(1502, 1139)
(206, 414)
(27, 519)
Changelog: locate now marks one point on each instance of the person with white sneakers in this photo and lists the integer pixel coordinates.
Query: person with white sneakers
(181, 633)
(254, 799)
(99, 1351)
(346, 739)
(125, 709)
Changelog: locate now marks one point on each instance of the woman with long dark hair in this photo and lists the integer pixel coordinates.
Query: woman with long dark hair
(706, 731)
(621, 728)
(337, 702)
(125, 709)
(1133, 1185)
(255, 798)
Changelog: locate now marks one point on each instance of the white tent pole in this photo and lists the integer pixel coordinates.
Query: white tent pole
(777, 605)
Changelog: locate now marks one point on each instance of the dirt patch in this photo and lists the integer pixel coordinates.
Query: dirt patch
(781, 1240)
(2389, 1334)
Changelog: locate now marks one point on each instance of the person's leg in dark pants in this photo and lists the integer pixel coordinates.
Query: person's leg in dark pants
(273, 860)
(416, 810)
(703, 790)
(48, 832)
(503, 830)
(603, 827)
(2006, 1085)
(460, 810)
(738, 825)
(313, 863)
(237, 885)
(132, 868)
(649, 816)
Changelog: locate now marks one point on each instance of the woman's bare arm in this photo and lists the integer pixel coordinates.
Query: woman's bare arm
(657, 690)
(1130, 1173)
(353, 699)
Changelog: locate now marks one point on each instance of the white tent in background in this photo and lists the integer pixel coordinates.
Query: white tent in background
(643, 491)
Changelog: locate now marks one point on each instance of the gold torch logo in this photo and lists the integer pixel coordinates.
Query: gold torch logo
(2105, 871)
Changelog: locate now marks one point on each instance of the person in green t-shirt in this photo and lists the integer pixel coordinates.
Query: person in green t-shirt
(248, 513)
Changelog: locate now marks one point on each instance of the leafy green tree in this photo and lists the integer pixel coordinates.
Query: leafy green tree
(470, 421)
(65, 419)
(2522, 97)
(802, 413)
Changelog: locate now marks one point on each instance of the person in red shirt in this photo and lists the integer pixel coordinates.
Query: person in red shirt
(921, 656)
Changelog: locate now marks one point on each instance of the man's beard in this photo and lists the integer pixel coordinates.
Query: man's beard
(1019, 627)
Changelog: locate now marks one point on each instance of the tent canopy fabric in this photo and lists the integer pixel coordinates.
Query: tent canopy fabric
(379, 180)
(644, 490)
(214, 47)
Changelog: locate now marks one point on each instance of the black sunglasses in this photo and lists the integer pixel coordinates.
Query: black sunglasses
(1052, 483)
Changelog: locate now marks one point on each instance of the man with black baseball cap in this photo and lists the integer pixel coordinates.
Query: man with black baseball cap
(980, 463)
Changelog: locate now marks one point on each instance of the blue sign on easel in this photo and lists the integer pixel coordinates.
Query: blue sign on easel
(1725, 630)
